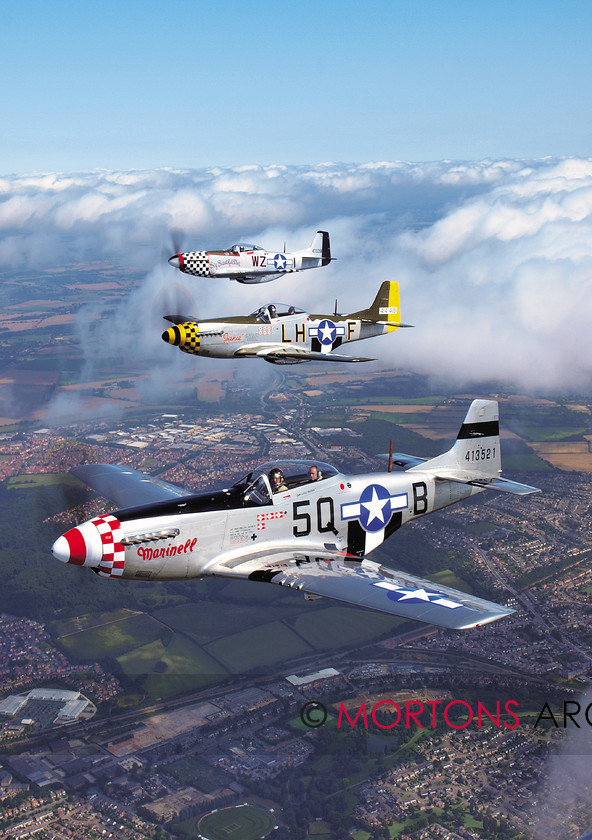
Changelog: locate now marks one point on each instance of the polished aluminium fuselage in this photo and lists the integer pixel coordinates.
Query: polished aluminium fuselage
(204, 531)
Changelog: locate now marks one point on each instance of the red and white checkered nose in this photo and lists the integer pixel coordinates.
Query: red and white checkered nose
(96, 543)
(80, 546)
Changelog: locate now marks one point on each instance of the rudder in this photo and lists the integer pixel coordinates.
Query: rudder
(385, 309)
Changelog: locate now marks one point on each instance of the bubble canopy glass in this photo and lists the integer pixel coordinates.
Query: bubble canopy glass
(244, 246)
(275, 310)
(257, 485)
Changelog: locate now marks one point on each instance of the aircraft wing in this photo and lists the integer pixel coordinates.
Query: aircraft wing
(126, 487)
(342, 577)
(402, 460)
(275, 352)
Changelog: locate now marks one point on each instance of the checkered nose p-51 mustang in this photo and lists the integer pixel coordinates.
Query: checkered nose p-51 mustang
(284, 335)
(251, 263)
(299, 524)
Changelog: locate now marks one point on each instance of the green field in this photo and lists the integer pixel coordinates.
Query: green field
(448, 578)
(112, 638)
(339, 626)
(480, 529)
(369, 400)
(401, 419)
(164, 686)
(181, 657)
(242, 823)
(28, 480)
(517, 455)
(257, 647)
(204, 622)
(546, 422)
(63, 627)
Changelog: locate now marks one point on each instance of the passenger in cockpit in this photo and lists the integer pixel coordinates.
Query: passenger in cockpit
(314, 473)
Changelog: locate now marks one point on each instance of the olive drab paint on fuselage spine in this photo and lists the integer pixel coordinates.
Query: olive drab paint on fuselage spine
(289, 330)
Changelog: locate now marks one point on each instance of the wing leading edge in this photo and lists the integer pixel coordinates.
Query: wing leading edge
(125, 486)
(331, 574)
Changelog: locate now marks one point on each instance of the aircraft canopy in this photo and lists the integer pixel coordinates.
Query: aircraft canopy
(240, 247)
(261, 484)
(265, 314)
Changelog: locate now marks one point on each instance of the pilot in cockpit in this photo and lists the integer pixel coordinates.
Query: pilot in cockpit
(267, 314)
(276, 479)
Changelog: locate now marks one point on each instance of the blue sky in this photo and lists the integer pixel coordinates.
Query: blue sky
(188, 84)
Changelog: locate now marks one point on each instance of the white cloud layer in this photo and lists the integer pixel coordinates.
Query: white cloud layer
(494, 259)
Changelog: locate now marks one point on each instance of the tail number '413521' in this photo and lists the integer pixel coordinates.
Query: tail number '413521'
(480, 454)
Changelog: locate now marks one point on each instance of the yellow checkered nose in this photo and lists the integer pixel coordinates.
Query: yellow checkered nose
(172, 336)
(184, 336)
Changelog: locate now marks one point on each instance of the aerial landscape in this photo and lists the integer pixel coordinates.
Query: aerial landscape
(216, 706)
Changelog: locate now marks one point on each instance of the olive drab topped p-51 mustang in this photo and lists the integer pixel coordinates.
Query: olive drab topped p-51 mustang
(251, 263)
(299, 524)
(285, 335)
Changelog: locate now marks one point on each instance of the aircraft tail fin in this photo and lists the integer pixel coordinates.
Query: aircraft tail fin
(476, 452)
(385, 309)
(475, 457)
(320, 249)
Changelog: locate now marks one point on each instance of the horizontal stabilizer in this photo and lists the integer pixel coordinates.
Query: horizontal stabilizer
(507, 486)
(502, 484)
(402, 460)
(383, 323)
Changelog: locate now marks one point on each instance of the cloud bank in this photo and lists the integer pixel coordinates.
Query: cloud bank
(494, 258)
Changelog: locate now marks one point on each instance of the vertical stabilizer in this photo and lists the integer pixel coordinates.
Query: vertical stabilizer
(477, 447)
(385, 309)
(319, 252)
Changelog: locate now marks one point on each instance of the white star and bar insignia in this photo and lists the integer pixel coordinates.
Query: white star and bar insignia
(416, 595)
(374, 508)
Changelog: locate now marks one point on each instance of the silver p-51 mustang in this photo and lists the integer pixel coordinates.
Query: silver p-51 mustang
(299, 524)
(284, 335)
(251, 263)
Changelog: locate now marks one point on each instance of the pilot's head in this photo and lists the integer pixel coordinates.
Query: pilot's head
(276, 479)
(272, 311)
(314, 474)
